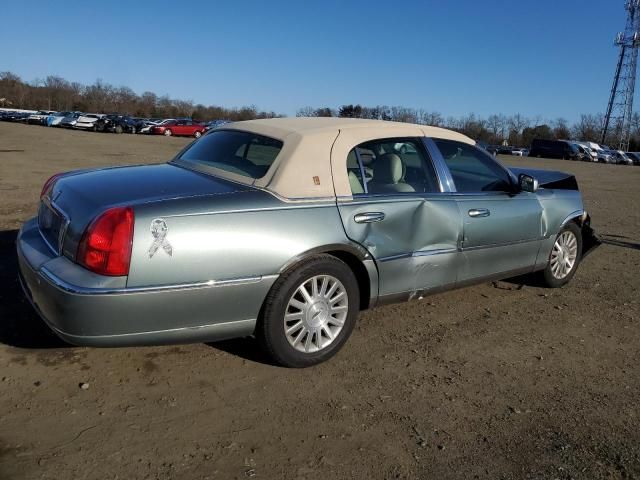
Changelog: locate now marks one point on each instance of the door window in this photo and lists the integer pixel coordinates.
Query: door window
(471, 169)
(390, 166)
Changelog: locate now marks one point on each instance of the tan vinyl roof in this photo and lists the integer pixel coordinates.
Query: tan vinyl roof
(281, 127)
(312, 163)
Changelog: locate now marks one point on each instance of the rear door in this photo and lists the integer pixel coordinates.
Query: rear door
(398, 212)
(502, 227)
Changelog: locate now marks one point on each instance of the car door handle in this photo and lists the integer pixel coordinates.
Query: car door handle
(479, 212)
(368, 217)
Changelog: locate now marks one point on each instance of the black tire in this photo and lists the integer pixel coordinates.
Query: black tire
(547, 276)
(271, 324)
(118, 129)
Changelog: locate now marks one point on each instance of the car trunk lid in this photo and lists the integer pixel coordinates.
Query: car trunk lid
(78, 197)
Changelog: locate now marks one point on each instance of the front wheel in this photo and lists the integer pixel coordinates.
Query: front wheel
(197, 134)
(168, 133)
(564, 258)
(310, 312)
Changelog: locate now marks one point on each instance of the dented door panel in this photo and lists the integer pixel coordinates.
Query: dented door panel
(415, 245)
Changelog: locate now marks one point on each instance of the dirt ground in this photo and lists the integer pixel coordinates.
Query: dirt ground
(497, 381)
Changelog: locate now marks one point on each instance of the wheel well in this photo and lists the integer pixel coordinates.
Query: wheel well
(360, 271)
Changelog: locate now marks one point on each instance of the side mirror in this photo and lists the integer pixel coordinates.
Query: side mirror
(527, 183)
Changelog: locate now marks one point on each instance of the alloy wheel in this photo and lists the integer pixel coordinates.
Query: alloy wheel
(316, 313)
(564, 254)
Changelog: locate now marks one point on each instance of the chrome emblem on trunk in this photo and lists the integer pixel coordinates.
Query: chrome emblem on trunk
(159, 231)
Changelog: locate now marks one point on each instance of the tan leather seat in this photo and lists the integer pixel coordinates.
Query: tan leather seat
(388, 173)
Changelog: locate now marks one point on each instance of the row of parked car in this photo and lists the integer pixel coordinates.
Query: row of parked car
(112, 123)
(117, 123)
(583, 151)
(507, 150)
(569, 150)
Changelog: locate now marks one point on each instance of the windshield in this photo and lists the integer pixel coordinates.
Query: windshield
(242, 153)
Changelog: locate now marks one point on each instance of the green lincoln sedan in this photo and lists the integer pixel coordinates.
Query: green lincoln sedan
(285, 229)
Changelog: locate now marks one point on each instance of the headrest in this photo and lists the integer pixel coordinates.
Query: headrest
(352, 161)
(387, 169)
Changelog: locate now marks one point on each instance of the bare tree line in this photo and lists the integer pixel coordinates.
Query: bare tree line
(495, 129)
(56, 93)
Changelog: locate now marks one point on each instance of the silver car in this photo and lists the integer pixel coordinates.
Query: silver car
(285, 229)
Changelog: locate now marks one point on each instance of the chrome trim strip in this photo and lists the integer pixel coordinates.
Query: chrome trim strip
(438, 251)
(505, 244)
(395, 257)
(442, 171)
(571, 216)
(75, 289)
(418, 253)
(364, 178)
(394, 198)
(361, 199)
(63, 230)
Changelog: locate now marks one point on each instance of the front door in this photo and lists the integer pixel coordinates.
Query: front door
(398, 213)
(502, 227)
(180, 127)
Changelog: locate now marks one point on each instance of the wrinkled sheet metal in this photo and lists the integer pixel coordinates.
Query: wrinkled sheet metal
(549, 178)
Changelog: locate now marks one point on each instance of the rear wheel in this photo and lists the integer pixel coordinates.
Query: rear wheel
(564, 257)
(118, 129)
(168, 133)
(310, 312)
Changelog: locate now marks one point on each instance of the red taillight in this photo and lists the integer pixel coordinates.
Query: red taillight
(105, 247)
(49, 184)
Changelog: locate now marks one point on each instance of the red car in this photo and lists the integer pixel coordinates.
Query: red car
(185, 128)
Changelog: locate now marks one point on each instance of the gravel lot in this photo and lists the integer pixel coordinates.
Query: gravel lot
(503, 380)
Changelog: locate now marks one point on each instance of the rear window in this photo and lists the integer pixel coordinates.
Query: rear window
(242, 153)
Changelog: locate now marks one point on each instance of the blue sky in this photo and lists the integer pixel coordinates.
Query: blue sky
(549, 57)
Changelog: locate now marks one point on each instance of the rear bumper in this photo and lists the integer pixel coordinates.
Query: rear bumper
(93, 314)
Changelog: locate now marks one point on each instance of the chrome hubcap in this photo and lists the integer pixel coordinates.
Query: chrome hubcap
(316, 313)
(563, 255)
